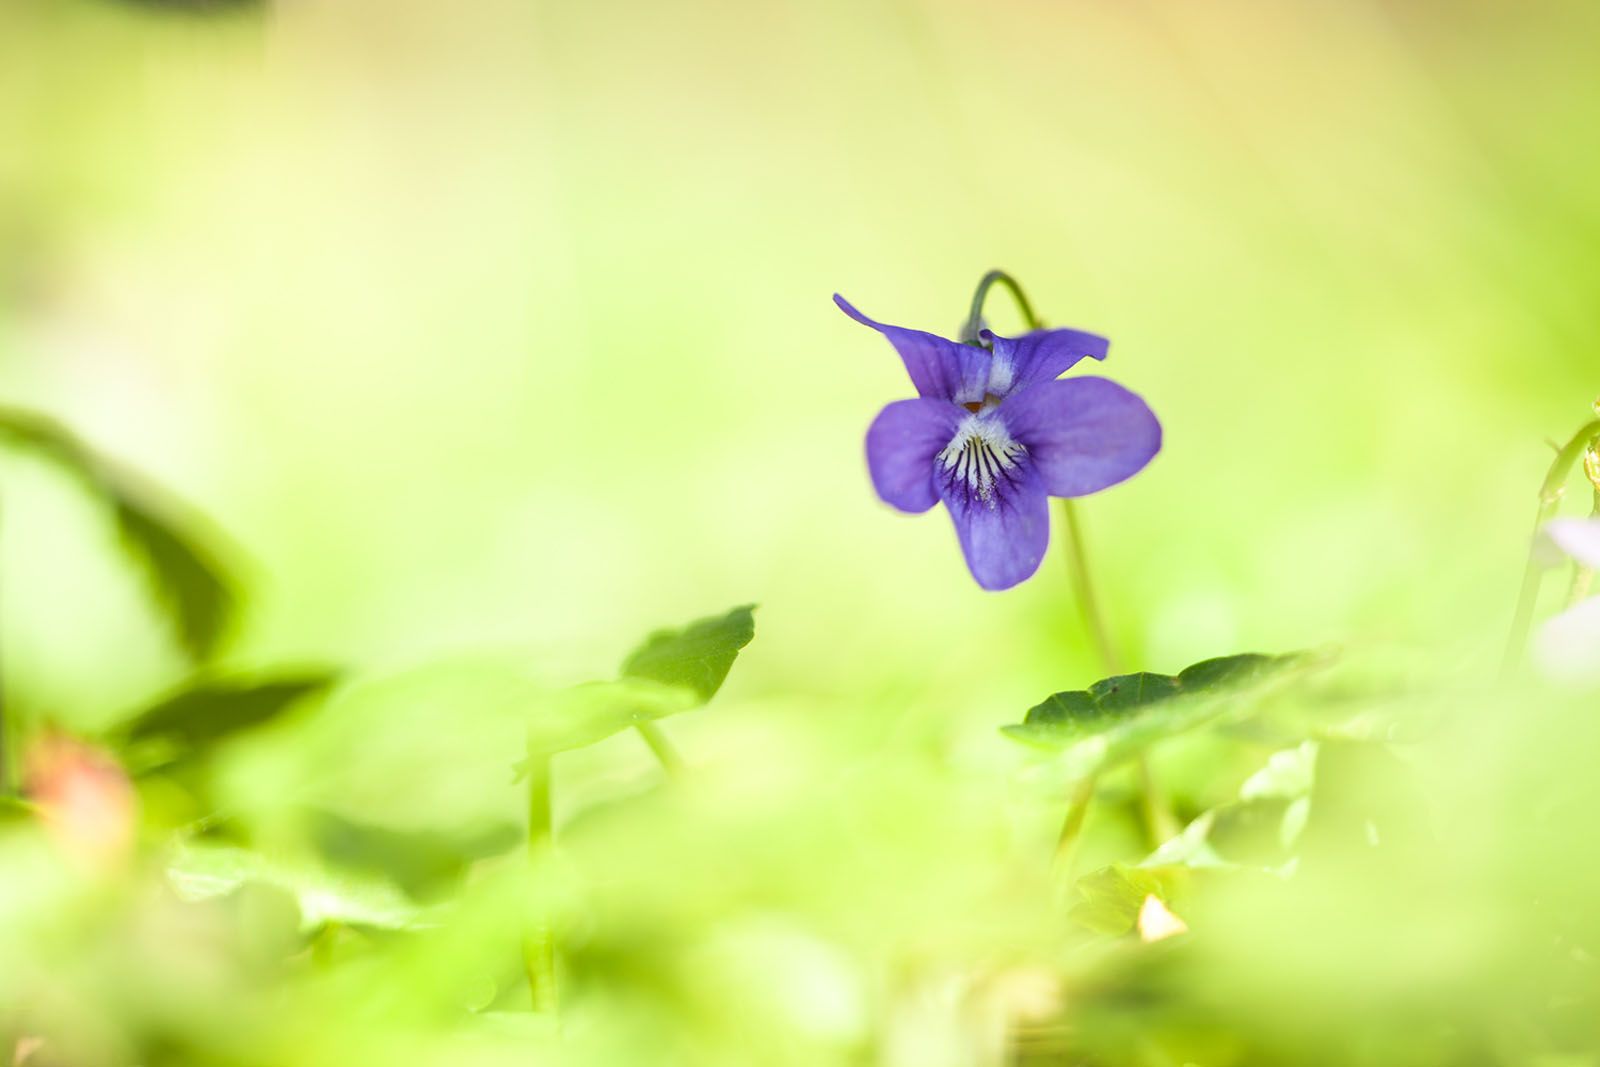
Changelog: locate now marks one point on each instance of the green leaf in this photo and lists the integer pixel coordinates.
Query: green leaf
(580, 716)
(199, 871)
(1127, 691)
(188, 580)
(211, 709)
(696, 657)
(1127, 712)
(1227, 671)
(1110, 898)
(422, 862)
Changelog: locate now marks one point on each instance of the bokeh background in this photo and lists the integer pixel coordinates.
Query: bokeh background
(511, 323)
(506, 328)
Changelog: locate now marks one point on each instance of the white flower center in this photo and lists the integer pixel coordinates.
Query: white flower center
(980, 455)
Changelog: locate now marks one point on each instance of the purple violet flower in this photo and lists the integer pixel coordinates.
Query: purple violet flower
(993, 434)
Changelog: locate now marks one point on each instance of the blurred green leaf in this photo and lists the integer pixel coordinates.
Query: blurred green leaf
(187, 579)
(211, 709)
(420, 861)
(1110, 898)
(199, 871)
(15, 809)
(580, 716)
(698, 656)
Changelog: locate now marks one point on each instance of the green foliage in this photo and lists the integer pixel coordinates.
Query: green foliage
(567, 719)
(210, 709)
(185, 575)
(202, 871)
(1109, 899)
(424, 863)
(1125, 714)
(696, 657)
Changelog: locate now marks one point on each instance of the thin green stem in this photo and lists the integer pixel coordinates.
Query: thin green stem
(1083, 590)
(539, 941)
(1159, 821)
(665, 751)
(1550, 493)
(969, 333)
(1072, 827)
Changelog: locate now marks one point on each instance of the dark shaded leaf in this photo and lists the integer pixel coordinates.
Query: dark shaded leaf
(1129, 711)
(188, 580)
(1229, 670)
(1060, 708)
(696, 657)
(422, 862)
(1126, 691)
(210, 710)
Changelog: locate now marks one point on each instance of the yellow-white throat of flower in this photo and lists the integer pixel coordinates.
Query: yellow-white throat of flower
(981, 453)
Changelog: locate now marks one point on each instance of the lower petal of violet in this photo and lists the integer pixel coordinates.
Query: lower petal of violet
(1004, 531)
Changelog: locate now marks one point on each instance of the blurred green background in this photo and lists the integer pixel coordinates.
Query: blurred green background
(509, 323)
(504, 328)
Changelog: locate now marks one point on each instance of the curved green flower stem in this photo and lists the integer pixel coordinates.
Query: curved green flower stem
(539, 941)
(1550, 493)
(665, 751)
(969, 332)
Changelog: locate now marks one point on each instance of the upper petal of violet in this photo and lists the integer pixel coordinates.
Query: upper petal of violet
(1083, 434)
(1039, 356)
(938, 367)
(901, 445)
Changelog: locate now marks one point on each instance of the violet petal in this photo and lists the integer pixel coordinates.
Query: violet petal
(1040, 356)
(1083, 434)
(901, 445)
(1003, 535)
(938, 367)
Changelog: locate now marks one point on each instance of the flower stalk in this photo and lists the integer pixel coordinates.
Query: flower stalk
(661, 745)
(1157, 816)
(974, 327)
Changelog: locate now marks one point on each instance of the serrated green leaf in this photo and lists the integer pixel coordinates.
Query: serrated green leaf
(1229, 670)
(1125, 691)
(211, 709)
(696, 657)
(1067, 707)
(1126, 712)
(187, 578)
(199, 871)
